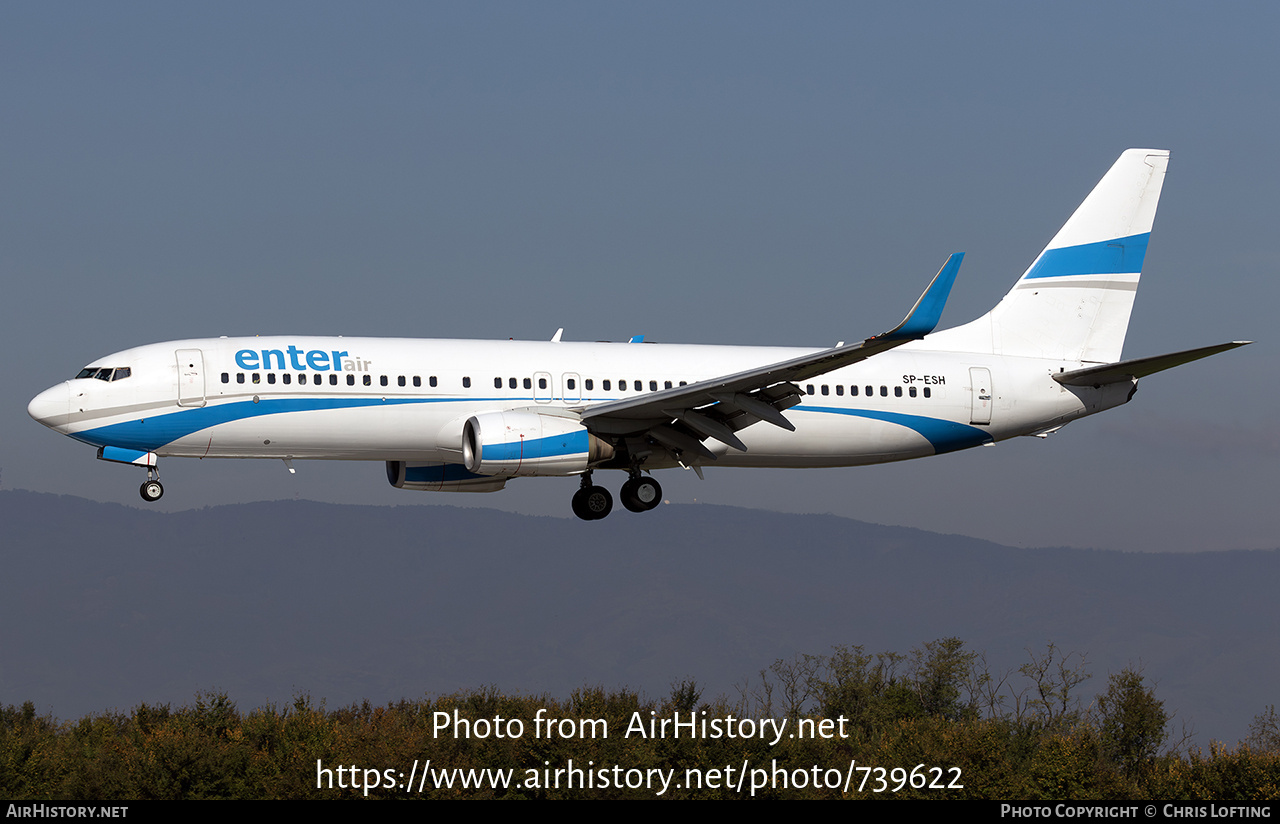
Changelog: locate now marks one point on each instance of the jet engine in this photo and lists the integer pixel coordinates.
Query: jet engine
(522, 442)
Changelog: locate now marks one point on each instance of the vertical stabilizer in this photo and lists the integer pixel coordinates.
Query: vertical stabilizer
(1074, 301)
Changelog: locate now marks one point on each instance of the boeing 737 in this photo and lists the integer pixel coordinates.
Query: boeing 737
(468, 416)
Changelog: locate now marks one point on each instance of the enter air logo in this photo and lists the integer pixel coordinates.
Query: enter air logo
(317, 360)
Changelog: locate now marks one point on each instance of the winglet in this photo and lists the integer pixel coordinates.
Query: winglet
(924, 316)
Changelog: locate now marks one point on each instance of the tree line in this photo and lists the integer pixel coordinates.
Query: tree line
(1022, 733)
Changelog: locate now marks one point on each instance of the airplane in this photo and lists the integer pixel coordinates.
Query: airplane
(468, 416)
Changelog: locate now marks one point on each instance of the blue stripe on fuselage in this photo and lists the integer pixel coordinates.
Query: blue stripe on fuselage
(154, 431)
(943, 436)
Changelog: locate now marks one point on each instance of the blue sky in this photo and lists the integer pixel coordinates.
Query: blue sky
(714, 172)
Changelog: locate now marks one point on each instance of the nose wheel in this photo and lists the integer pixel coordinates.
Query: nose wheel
(151, 489)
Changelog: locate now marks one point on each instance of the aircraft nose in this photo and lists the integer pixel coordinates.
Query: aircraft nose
(51, 406)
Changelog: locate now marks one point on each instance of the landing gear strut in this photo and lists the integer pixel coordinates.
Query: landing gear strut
(590, 502)
(151, 490)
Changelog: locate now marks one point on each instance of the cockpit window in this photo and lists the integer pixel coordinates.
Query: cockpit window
(105, 373)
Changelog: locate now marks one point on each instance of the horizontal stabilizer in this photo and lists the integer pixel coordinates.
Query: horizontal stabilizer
(1140, 367)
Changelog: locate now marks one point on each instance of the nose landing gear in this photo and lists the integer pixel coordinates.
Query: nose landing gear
(151, 490)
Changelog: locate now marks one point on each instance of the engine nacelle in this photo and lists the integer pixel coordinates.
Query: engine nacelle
(439, 477)
(521, 442)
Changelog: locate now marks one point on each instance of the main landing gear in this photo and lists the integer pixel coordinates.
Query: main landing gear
(151, 490)
(639, 494)
(590, 502)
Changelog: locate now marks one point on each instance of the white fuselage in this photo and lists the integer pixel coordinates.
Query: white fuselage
(466, 416)
(397, 399)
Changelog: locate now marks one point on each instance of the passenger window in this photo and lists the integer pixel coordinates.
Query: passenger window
(466, 383)
(911, 391)
(351, 380)
(432, 380)
(884, 391)
(382, 379)
(809, 390)
(542, 383)
(368, 380)
(853, 390)
(572, 384)
(497, 383)
(239, 377)
(417, 380)
(897, 391)
(589, 383)
(870, 391)
(826, 390)
(257, 378)
(400, 380)
(839, 389)
(528, 383)
(607, 384)
(653, 386)
(226, 378)
(271, 377)
(333, 380)
(666, 384)
(927, 392)
(512, 384)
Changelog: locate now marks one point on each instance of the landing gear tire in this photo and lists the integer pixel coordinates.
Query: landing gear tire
(151, 491)
(641, 494)
(591, 503)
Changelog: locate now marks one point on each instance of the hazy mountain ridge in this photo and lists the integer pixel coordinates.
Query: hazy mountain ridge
(107, 606)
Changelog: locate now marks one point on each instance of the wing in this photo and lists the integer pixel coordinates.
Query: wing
(680, 418)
